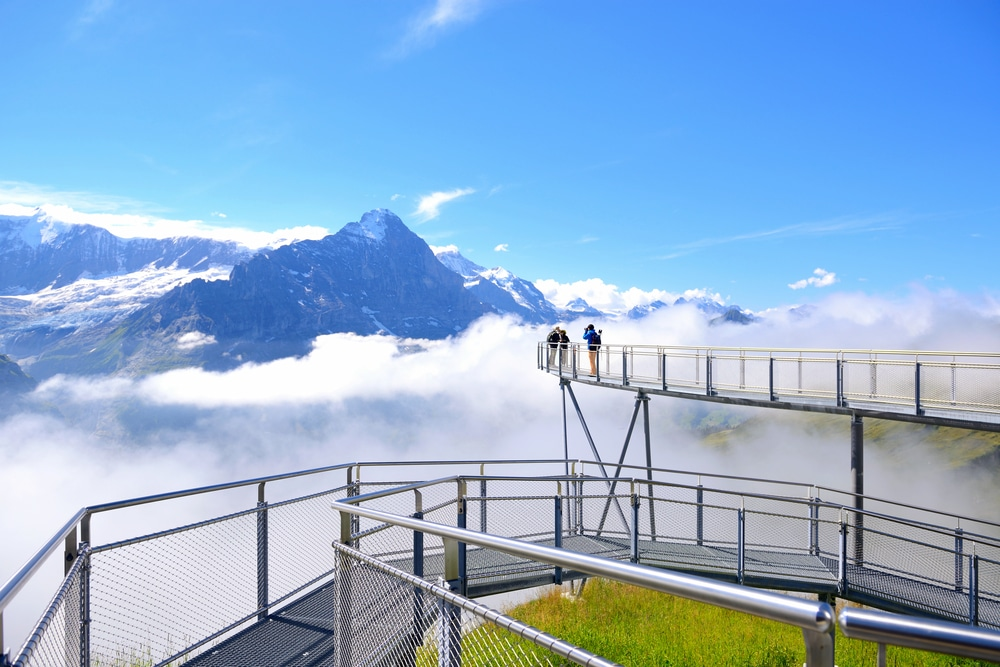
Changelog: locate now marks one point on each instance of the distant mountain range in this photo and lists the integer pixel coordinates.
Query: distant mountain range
(77, 299)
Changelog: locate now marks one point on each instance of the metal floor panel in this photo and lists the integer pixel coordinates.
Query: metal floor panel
(300, 635)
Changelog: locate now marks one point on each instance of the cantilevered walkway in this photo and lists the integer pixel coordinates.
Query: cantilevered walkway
(960, 389)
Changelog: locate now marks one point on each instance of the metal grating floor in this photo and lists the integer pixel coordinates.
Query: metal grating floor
(302, 634)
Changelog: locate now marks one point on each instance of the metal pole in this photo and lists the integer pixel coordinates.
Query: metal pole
(916, 389)
(462, 518)
(699, 519)
(842, 560)
(858, 476)
(634, 533)
(562, 386)
(959, 544)
(557, 575)
(649, 466)
(84, 628)
(973, 589)
(262, 596)
(741, 544)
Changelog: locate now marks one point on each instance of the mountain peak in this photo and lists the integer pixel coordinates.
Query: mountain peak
(374, 224)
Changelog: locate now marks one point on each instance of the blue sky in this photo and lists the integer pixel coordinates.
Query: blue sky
(772, 152)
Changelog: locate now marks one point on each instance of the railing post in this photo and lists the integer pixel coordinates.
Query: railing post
(418, 571)
(262, 548)
(708, 372)
(916, 389)
(634, 542)
(482, 506)
(663, 369)
(842, 559)
(84, 628)
(959, 544)
(771, 396)
(740, 544)
(840, 383)
(462, 523)
(558, 533)
(973, 589)
(450, 616)
(343, 612)
(354, 489)
(814, 526)
(699, 520)
(449, 635)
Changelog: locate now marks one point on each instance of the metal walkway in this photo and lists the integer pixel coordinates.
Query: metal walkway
(960, 389)
(260, 586)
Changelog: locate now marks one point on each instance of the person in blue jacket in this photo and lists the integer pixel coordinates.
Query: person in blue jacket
(593, 339)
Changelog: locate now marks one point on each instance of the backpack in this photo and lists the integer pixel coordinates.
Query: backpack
(596, 340)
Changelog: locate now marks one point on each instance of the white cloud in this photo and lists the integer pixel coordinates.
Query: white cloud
(438, 249)
(430, 205)
(129, 225)
(376, 398)
(502, 247)
(217, 214)
(395, 197)
(841, 225)
(193, 339)
(443, 15)
(820, 278)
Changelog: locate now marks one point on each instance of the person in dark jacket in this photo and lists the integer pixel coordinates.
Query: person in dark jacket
(553, 341)
(563, 347)
(593, 339)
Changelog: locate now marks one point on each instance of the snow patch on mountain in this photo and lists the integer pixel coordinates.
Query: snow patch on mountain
(372, 225)
(90, 301)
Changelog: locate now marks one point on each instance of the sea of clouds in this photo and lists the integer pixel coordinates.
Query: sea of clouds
(83, 441)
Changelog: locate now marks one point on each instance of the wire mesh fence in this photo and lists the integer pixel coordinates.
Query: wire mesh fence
(387, 616)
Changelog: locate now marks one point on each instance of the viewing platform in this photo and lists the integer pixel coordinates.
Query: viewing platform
(960, 389)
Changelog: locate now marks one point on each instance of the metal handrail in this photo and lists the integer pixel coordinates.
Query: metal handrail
(794, 350)
(814, 618)
(911, 632)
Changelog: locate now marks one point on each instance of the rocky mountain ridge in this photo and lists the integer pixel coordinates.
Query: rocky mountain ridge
(77, 299)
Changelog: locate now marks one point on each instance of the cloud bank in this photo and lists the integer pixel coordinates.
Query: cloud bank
(82, 441)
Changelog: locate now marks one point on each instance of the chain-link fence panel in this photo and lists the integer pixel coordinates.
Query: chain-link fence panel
(986, 601)
(803, 376)
(974, 387)
(298, 535)
(385, 616)
(744, 373)
(158, 595)
(59, 638)
(889, 562)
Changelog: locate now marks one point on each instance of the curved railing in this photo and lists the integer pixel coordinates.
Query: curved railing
(914, 385)
(168, 594)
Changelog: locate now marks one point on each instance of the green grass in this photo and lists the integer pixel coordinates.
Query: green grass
(638, 627)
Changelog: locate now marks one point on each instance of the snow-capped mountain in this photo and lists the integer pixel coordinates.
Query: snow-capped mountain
(77, 299)
(39, 252)
(500, 288)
